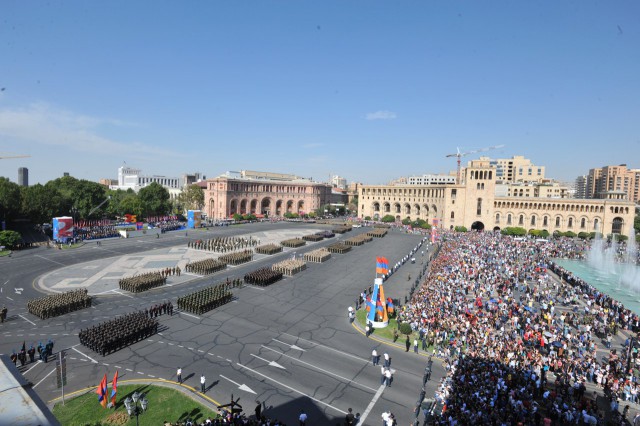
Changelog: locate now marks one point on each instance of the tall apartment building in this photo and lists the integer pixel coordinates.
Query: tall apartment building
(580, 187)
(516, 169)
(23, 176)
(603, 180)
(338, 182)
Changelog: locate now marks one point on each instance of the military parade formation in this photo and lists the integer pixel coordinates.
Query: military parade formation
(318, 256)
(269, 249)
(263, 277)
(206, 299)
(59, 304)
(289, 266)
(143, 282)
(118, 333)
(339, 248)
(237, 258)
(205, 266)
(224, 244)
(293, 242)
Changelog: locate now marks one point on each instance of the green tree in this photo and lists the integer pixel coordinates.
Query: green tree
(10, 239)
(388, 218)
(406, 221)
(514, 231)
(237, 217)
(10, 199)
(405, 328)
(130, 204)
(191, 198)
(367, 218)
(114, 207)
(81, 194)
(460, 229)
(40, 204)
(154, 199)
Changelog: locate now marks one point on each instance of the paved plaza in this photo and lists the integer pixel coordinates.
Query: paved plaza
(289, 345)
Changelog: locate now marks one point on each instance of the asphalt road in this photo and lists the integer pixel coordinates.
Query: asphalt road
(289, 345)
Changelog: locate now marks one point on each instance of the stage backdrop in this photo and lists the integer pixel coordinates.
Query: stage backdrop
(194, 217)
(62, 228)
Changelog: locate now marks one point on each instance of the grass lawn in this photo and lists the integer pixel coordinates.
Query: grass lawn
(164, 404)
(387, 332)
(5, 253)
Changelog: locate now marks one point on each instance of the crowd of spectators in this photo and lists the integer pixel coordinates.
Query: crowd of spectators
(520, 346)
(95, 232)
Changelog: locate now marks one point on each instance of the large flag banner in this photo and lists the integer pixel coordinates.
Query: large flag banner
(114, 389)
(382, 266)
(102, 391)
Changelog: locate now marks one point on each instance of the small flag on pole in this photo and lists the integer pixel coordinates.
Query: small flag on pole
(102, 391)
(114, 389)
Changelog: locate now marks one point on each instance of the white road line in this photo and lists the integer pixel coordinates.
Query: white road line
(41, 257)
(189, 315)
(294, 390)
(330, 348)
(141, 373)
(321, 369)
(5, 282)
(200, 351)
(171, 344)
(86, 356)
(122, 294)
(26, 319)
(117, 366)
(128, 369)
(39, 361)
(209, 353)
(153, 377)
(9, 298)
(43, 379)
(371, 404)
(190, 349)
(254, 287)
(180, 346)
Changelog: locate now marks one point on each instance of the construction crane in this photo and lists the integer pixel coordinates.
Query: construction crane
(459, 155)
(2, 156)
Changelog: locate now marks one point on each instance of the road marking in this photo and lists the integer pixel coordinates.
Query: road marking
(254, 287)
(86, 356)
(180, 346)
(200, 351)
(26, 319)
(117, 366)
(153, 377)
(19, 290)
(294, 390)
(41, 257)
(39, 361)
(291, 346)
(330, 348)
(122, 294)
(371, 404)
(209, 353)
(190, 349)
(321, 369)
(128, 369)
(271, 363)
(189, 315)
(171, 344)
(240, 386)
(104, 363)
(43, 379)
(141, 373)
(9, 298)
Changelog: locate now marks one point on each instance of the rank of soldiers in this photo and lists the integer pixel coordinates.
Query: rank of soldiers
(382, 226)
(206, 299)
(293, 242)
(118, 333)
(290, 266)
(59, 304)
(339, 248)
(142, 282)
(263, 277)
(326, 234)
(224, 244)
(341, 229)
(377, 232)
(313, 238)
(237, 258)
(205, 266)
(358, 240)
(269, 249)
(318, 256)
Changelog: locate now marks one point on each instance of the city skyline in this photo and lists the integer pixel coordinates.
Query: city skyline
(371, 92)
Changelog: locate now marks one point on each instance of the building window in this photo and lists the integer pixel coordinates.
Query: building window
(509, 219)
(497, 217)
(533, 221)
(545, 221)
(479, 207)
(452, 215)
(521, 220)
(570, 225)
(558, 222)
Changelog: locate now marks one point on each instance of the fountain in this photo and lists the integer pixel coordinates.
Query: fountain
(611, 271)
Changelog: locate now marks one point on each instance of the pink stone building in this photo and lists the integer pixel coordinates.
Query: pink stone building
(227, 195)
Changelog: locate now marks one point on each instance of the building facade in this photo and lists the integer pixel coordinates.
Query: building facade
(23, 176)
(233, 193)
(128, 177)
(603, 180)
(474, 204)
(516, 169)
(431, 180)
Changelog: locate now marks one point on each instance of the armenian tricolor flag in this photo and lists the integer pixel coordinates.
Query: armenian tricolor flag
(114, 388)
(382, 266)
(102, 391)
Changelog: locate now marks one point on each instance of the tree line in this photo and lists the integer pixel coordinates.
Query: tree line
(83, 199)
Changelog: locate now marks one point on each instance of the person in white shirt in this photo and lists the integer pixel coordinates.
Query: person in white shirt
(303, 418)
(202, 384)
(179, 373)
(374, 357)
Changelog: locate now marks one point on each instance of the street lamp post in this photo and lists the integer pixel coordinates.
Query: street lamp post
(132, 405)
(74, 211)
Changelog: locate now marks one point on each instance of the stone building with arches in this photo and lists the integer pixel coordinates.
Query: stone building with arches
(227, 195)
(473, 203)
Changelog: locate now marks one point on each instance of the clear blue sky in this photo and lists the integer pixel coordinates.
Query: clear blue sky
(370, 90)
